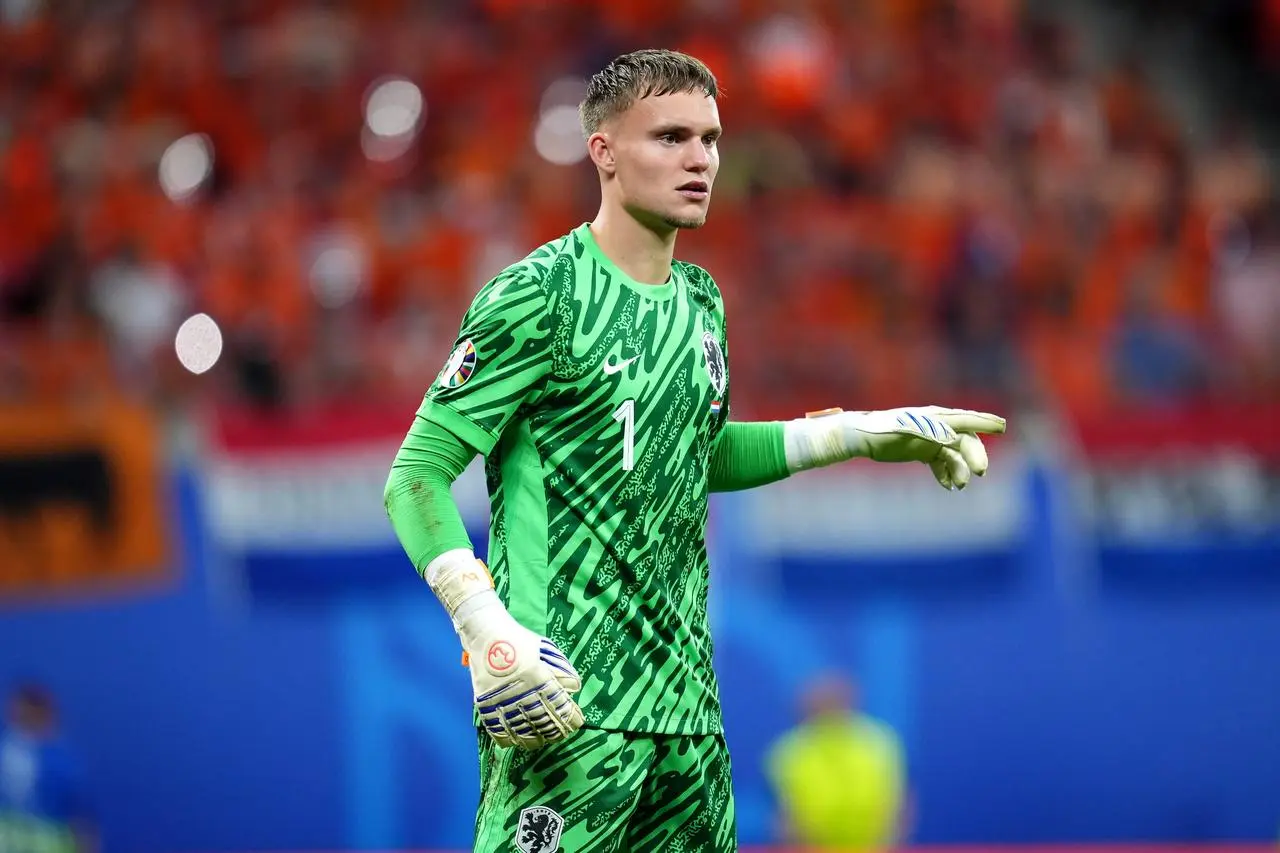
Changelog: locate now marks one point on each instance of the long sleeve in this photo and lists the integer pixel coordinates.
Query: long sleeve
(417, 495)
(747, 455)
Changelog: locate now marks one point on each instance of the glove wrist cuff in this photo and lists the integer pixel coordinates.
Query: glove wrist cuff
(821, 438)
(456, 577)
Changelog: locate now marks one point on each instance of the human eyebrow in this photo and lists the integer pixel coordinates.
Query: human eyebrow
(683, 131)
(679, 131)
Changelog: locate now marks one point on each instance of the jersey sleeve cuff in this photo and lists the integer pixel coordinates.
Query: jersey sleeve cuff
(478, 437)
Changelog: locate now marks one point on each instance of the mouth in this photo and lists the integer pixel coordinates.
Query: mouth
(694, 190)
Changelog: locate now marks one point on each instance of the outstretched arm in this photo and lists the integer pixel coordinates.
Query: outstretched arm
(747, 455)
(944, 439)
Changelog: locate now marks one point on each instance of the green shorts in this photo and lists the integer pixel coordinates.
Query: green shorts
(607, 791)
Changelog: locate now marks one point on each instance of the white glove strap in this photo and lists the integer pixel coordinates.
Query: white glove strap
(456, 577)
(820, 438)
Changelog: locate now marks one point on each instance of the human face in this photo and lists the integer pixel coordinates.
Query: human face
(665, 159)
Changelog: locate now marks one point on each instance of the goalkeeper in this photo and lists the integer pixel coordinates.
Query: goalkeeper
(593, 376)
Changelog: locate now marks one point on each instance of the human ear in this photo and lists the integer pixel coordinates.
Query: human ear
(600, 149)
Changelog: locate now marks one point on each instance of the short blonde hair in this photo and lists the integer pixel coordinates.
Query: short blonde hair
(637, 75)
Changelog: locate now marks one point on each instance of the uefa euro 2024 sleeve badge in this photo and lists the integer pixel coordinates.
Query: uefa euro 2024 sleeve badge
(461, 364)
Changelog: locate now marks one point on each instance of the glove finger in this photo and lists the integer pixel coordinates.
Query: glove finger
(496, 726)
(531, 740)
(571, 682)
(957, 470)
(547, 723)
(563, 716)
(940, 473)
(496, 730)
(537, 710)
(566, 709)
(967, 420)
(505, 715)
(919, 423)
(525, 733)
(974, 453)
(572, 717)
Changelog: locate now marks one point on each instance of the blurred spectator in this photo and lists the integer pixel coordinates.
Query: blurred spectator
(1158, 357)
(43, 800)
(1247, 299)
(840, 776)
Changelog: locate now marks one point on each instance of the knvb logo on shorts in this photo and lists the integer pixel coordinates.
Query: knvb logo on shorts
(539, 830)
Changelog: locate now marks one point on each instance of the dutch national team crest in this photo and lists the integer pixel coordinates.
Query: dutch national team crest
(459, 367)
(715, 369)
(539, 830)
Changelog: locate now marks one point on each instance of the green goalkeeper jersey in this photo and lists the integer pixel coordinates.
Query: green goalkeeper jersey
(595, 401)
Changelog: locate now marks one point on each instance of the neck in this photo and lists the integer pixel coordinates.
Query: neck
(643, 254)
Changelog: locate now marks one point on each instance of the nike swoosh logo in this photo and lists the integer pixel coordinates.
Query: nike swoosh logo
(610, 367)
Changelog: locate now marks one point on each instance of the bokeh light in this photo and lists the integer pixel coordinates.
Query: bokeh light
(198, 343)
(393, 107)
(186, 165)
(394, 110)
(558, 137)
(564, 92)
(338, 267)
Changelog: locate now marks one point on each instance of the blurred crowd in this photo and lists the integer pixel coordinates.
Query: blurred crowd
(919, 200)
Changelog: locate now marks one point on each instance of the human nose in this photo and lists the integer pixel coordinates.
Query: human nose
(698, 158)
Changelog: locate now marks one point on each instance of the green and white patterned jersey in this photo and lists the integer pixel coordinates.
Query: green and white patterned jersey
(595, 400)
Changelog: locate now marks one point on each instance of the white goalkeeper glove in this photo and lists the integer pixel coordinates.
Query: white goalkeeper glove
(522, 683)
(945, 439)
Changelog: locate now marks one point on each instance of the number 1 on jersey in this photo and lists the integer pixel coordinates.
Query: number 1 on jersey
(626, 414)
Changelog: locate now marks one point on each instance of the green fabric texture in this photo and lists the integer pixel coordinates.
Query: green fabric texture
(747, 455)
(417, 495)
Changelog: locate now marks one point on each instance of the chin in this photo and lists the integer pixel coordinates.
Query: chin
(686, 222)
(658, 221)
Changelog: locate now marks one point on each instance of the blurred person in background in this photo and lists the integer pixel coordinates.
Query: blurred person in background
(43, 796)
(593, 378)
(840, 776)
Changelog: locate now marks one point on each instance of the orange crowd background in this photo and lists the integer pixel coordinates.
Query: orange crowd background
(920, 201)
